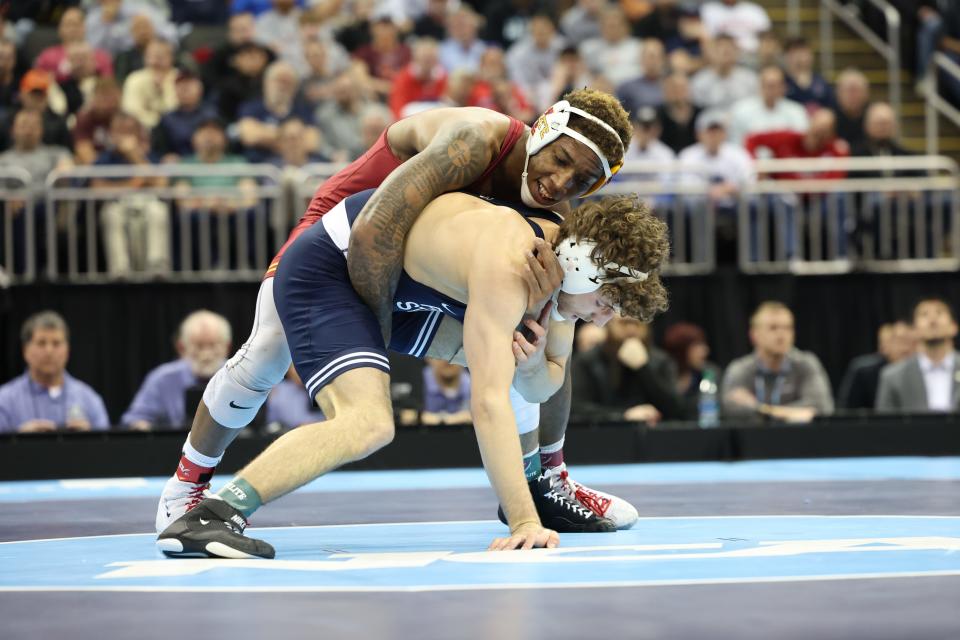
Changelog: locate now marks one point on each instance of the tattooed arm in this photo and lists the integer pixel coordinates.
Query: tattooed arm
(455, 157)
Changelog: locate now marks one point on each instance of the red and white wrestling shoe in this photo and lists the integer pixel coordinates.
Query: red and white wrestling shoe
(177, 498)
(622, 513)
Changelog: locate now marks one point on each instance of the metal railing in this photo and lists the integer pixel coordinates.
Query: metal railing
(176, 221)
(897, 213)
(889, 49)
(18, 231)
(888, 214)
(937, 104)
(691, 229)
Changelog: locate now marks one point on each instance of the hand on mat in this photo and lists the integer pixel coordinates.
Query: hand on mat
(543, 275)
(529, 343)
(527, 536)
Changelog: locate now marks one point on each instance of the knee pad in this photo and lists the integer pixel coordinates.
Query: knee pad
(229, 402)
(526, 413)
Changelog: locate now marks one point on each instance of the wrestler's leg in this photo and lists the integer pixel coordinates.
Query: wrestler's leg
(360, 421)
(231, 400)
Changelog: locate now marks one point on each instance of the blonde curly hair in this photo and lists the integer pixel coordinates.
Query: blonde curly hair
(627, 233)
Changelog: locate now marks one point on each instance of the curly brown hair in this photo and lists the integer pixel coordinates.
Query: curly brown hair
(626, 232)
(607, 108)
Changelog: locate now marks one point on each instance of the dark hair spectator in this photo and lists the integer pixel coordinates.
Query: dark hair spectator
(35, 89)
(433, 22)
(926, 381)
(626, 376)
(804, 84)
(509, 20)
(687, 344)
(244, 82)
(171, 138)
(678, 114)
(47, 398)
(91, 133)
(858, 390)
(852, 97)
(386, 56)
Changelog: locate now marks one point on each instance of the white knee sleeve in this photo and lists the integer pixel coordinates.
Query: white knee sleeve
(526, 413)
(238, 390)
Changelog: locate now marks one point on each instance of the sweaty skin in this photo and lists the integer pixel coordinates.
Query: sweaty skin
(441, 153)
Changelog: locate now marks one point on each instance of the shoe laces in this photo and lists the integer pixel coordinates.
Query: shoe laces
(196, 495)
(582, 495)
(570, 505)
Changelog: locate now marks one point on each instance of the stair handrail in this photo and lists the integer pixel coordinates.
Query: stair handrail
(937, 104)
(890, 50)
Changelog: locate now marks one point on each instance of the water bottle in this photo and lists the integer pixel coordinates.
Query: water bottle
(708, 404)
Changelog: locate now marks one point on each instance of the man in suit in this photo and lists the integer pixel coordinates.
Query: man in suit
(930, 380)
(895, 341)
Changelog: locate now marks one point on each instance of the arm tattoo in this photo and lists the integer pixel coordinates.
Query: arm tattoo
(375, 258)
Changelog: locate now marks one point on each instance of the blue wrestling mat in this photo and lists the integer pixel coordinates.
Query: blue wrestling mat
(448, 555)
(759, 549)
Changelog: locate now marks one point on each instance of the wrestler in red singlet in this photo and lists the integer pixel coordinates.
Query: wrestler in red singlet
(367, 172)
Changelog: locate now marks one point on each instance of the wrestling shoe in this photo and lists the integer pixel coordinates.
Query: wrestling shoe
(177, 498)
(561, 514)
(623, 514)
(214, 529)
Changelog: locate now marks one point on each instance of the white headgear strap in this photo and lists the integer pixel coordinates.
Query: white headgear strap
(582, 274)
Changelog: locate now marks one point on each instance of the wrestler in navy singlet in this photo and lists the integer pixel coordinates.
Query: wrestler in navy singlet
(328, 327)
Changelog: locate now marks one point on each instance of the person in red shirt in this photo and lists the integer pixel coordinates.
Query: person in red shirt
(819, 141)
(386, 56)
(71, 30)
(423, 80)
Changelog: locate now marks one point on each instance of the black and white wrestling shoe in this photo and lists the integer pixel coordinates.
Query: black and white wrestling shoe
(561, 514)
(212, 529)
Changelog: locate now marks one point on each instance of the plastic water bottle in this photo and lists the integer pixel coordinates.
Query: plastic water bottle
(708, 405)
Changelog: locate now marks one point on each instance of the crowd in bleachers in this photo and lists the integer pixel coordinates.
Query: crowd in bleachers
(290, 82)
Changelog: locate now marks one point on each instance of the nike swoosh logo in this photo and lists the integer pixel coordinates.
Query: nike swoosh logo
(204, 522)
(236, 406)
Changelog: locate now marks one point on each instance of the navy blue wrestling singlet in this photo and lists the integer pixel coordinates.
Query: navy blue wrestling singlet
(329, 329)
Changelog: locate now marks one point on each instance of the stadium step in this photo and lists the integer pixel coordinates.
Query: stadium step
(850, 50)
